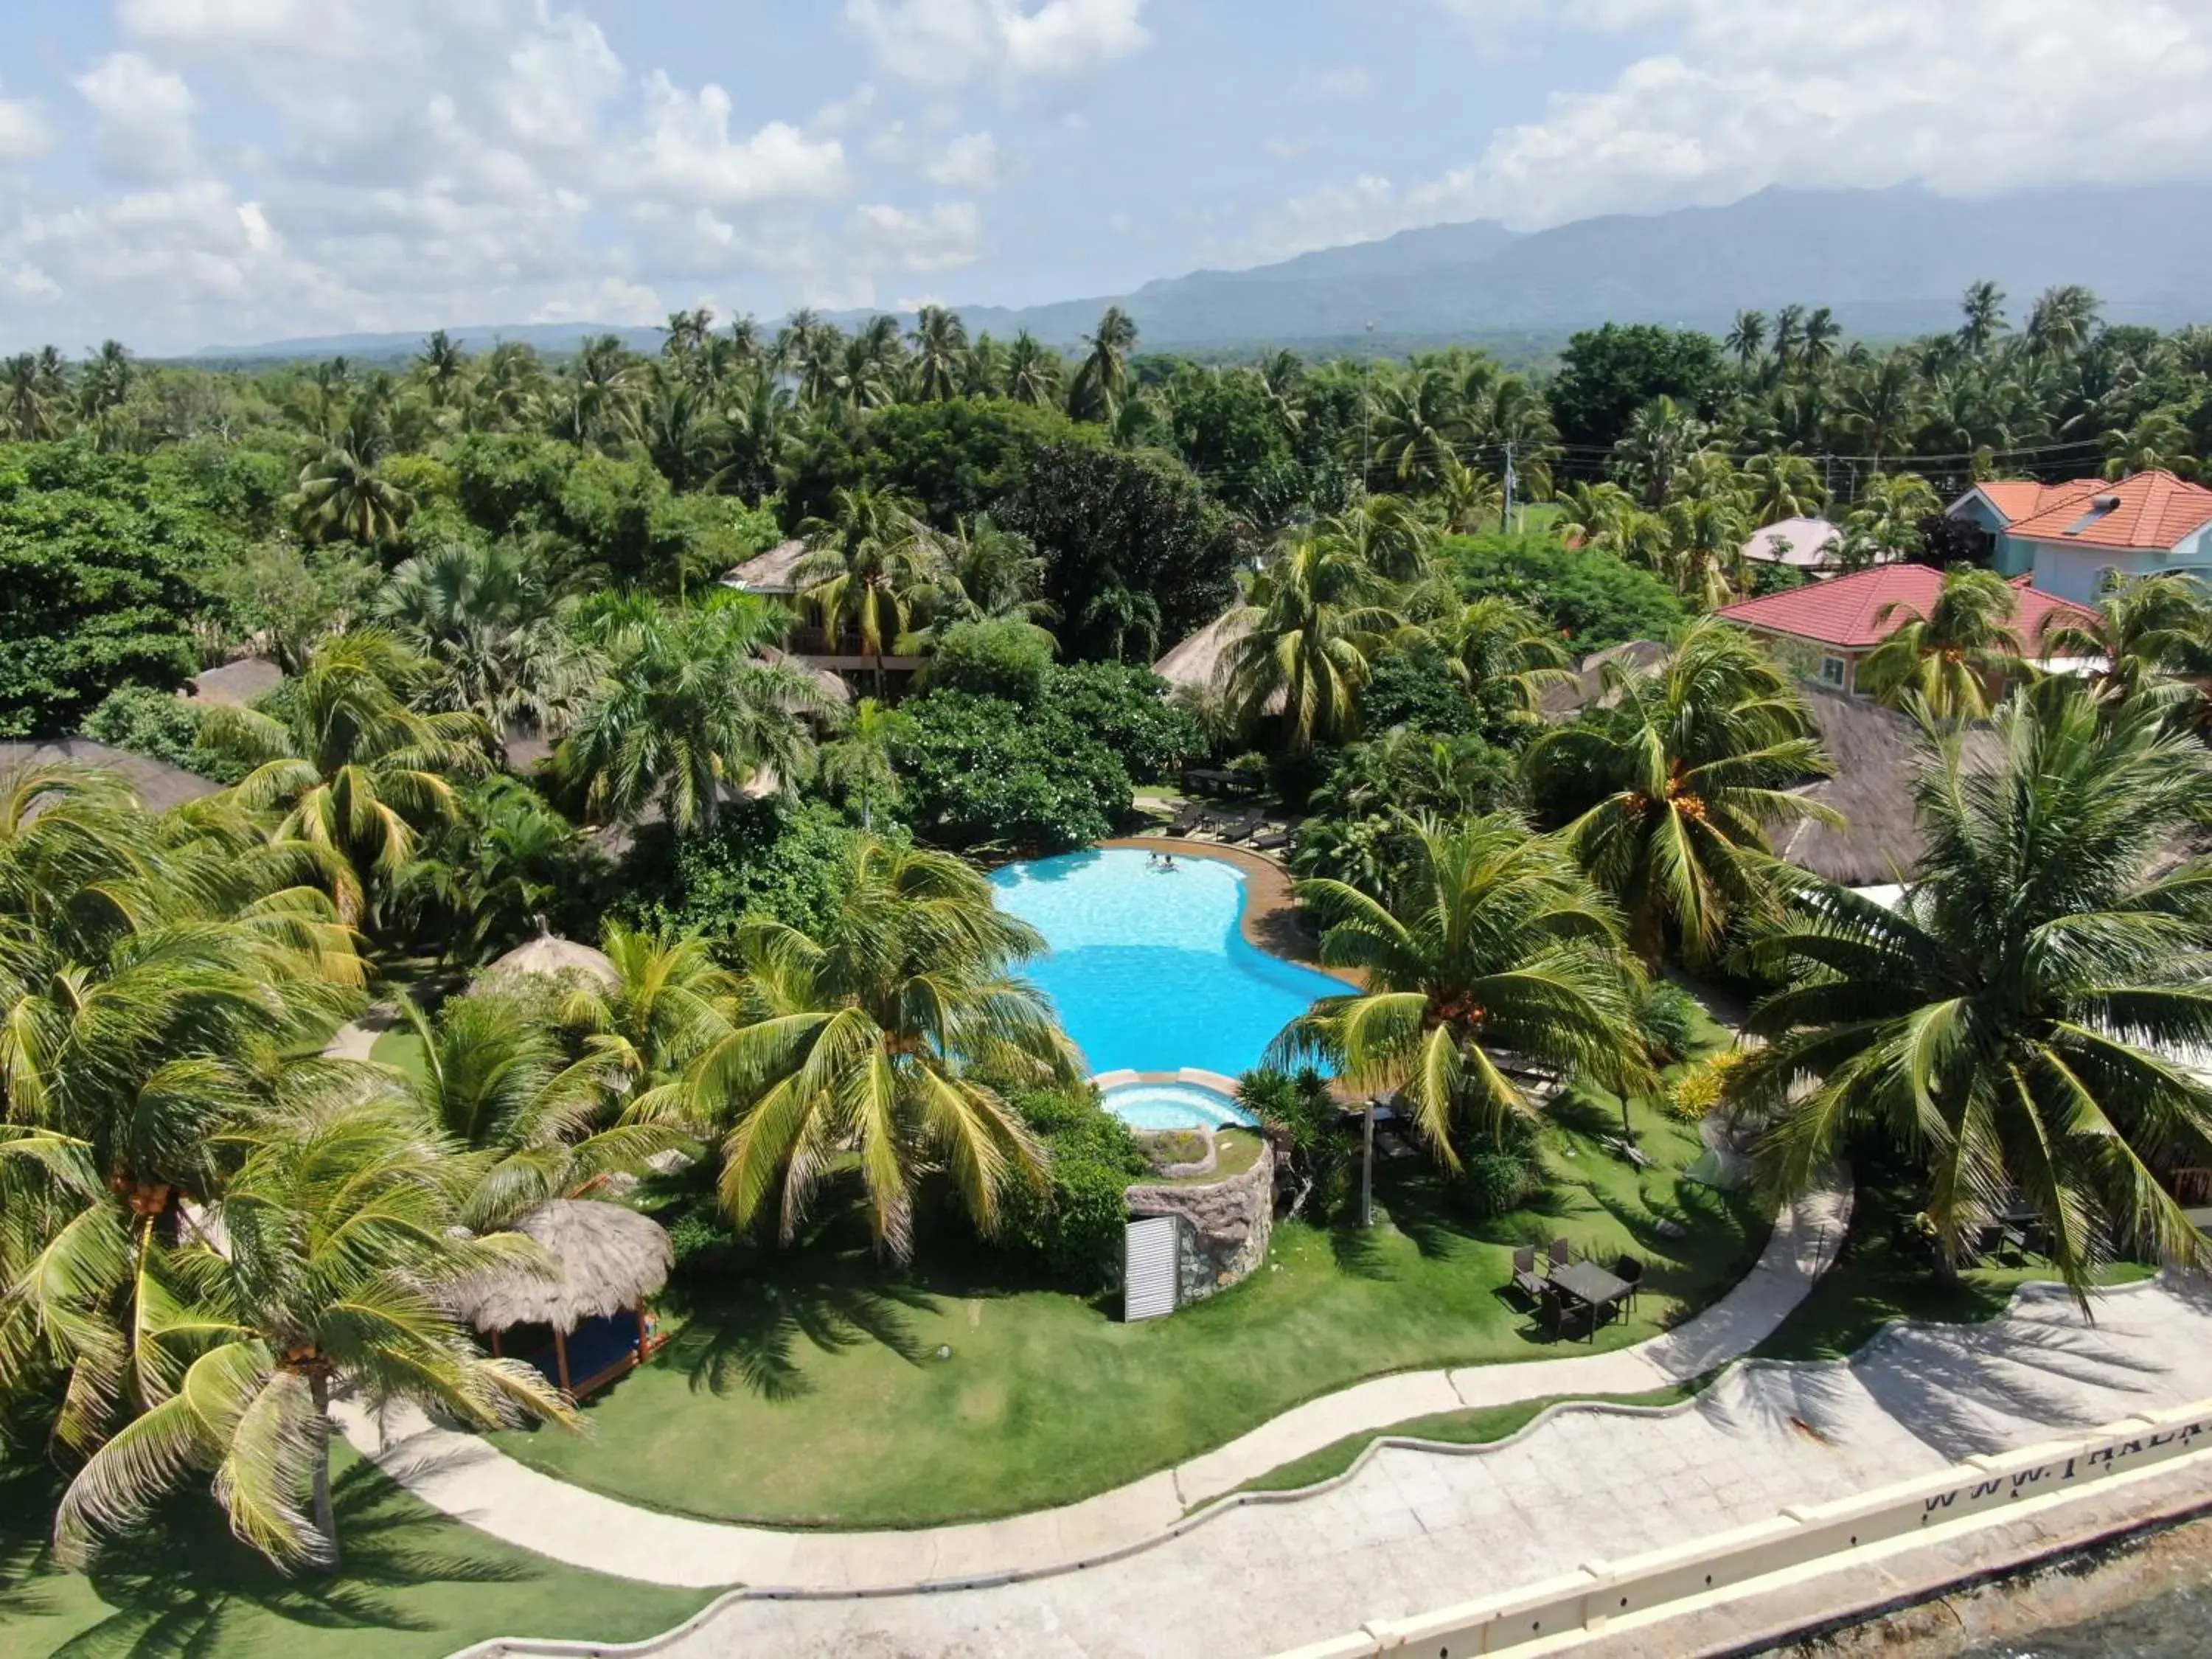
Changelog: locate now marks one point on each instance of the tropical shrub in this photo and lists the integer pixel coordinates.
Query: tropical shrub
(1594, 598)
(1000, 658)
(1127, 709)
(1669, 1015)
(778, 857)
(982, 770)
(1073, 1224)
(161, 725)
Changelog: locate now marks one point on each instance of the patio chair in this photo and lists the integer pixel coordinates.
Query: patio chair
(1629, 1272)
(1562, 1253)
(1526, 1279)
(1236, 830)
(1189, 820)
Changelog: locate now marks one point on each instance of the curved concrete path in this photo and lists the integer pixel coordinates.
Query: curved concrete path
(474, 1482)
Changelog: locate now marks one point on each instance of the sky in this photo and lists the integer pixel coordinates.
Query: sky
(179, 173)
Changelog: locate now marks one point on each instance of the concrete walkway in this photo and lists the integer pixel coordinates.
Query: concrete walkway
(473, 1481)
(1416, 1528)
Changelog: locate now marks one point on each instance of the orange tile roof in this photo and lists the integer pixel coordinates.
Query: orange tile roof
(2024, 498)
(1842, 612)
(2151, 511)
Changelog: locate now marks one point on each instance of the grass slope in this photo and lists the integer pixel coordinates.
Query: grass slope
(806, 1387)
(413, 1585)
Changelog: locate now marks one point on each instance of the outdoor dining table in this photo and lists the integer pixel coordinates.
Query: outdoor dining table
(1591, 1285)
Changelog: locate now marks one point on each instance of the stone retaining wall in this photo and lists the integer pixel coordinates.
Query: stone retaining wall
(1222, 1227)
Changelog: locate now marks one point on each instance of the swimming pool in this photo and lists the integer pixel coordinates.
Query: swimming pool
(1150, 968)
(1149, 1108)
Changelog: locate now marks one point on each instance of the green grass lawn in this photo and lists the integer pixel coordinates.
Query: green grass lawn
(1874, 1283)
(414, 1585)
(807, 1387)
(402, 1050)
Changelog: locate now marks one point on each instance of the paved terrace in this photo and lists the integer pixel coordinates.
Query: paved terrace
(1411, 1530)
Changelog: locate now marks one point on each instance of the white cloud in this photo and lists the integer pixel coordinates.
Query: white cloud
(969, 163)
(688, 157)
(946, 237)
(145, 118)
(24, 133)
(612, 300)
(945, 42)
(1970, 97)
(556, 80)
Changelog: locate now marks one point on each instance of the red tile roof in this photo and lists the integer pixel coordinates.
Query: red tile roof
(2151, 511)
(2024, 498)
(1842, 612)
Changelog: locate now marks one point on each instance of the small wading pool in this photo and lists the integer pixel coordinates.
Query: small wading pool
(1149, 1107)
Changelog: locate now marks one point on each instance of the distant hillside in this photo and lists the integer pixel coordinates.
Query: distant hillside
(1891, 263)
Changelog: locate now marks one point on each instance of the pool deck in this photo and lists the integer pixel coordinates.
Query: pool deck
(1273, 920)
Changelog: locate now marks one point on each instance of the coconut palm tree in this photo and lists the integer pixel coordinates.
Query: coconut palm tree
(344, 492)
(28, 411)
(1984, 307)
(2152, 634)
(1387, 534)
(1668, 788)
(1102, 380)
(356, 772)
(1880, 408)
(1420, 420)
(443, 366)
(1746, 337)
(685, 710)
(496, 1078)
(2063, 321)
(338, 1232)
(2158, 442)
(1780, 487)
(1788, 337)
(880, 1041)
(940, 354)
(1470, 497)
(1817, 340)
(859, 762)
(669, 1001)
(2020, 1023)
(1955, 658)
(1503, 652)
(869, 562)
(1317, 618)
(983, 573)
(1032, 372)
(1494, 940)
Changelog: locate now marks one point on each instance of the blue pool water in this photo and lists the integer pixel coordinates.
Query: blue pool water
(1150, 968)
(1147, 1107)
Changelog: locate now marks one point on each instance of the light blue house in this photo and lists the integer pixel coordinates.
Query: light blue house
(2072, 539)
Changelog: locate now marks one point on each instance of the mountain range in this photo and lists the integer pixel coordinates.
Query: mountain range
(1890, 263)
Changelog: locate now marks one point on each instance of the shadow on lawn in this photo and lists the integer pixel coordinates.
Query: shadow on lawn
(743, 1329)
(183, 1586)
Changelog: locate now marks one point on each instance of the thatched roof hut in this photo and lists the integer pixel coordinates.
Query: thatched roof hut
(771, 573)
(1877, 755)
(1569, 698)
(608, 1260)
(234, 684)
(1203, 663)
(158, 785)
(551, 957)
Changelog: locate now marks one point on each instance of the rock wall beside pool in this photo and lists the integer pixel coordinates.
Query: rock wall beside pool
(1223, 1228)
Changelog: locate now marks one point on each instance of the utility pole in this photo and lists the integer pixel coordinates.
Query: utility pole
(1505, 513)
(1367, 1167)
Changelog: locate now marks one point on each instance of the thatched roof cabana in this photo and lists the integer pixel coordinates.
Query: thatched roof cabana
(1203, 663)
(772, 573)
(551, 957)
(1877, 755)
(158, 785)
(608, 1262)
(1568, 698)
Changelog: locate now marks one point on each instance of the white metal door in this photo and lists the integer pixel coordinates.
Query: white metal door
(1150, 1273)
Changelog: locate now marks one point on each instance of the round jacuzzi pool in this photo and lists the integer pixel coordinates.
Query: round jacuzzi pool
(1149, 1108)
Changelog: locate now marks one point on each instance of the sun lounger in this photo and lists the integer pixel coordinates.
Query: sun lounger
(1274, 840)
(1241, 829)
(1187, 820)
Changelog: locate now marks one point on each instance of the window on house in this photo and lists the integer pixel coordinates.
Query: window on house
(1833, 671)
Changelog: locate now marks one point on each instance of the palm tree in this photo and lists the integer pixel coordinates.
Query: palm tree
(1102, 380)
(1470, 498)
(1420, 420)
(1660, 436)
(983, 573)
(1984, 307)
(355, 771)
(1494, 940)
(2062, 320)
(669, 1001)
(1504, 654)
(1746, 337)
(338, 1233)
(685, 710)
(1955, 658)
(480, 613)
(27, 412)
(443, 366)
(2152, 635)
(1885, 519)
(1670, 785)
(880, 1041)
(859, 762)
(940, 352)
(1882, 407)
(598, 394)
(1032, 373)
(1317, 618)
(1119, 618)
(1816, 347)
(496, 1079)
(2158, 442)
(344, 492)
(1789, 335)
(1387, 534)
(1783, 487)
(2019, 1023)
(869, 564)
